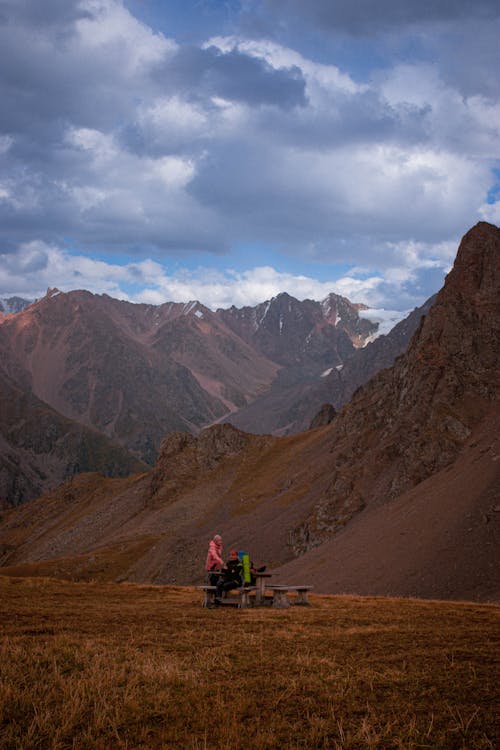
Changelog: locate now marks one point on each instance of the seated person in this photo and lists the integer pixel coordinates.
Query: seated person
(253, 570)
(232, 577)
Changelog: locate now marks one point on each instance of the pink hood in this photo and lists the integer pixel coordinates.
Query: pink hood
(214, 556)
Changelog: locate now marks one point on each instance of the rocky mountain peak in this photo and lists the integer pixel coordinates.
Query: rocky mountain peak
(476, 270)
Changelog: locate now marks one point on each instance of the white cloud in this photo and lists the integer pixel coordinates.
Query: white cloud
(320, 78)
(172, 122)
(37, 266)
(110, 28)
(450, 119)
(491, 212)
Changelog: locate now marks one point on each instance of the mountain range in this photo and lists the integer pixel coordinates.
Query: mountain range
(132, 373)
(397, 494)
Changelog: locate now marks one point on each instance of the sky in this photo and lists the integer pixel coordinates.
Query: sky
(229, 150)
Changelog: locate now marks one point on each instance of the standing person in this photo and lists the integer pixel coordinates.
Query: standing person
(214, 559)
(233, 575)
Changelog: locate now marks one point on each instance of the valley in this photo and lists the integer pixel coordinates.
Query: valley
(394, 496)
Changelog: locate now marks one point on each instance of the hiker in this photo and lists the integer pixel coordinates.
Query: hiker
(232, 575)
(214, 559)
(253, 571)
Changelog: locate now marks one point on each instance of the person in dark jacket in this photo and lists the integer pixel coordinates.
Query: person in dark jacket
(232, 575)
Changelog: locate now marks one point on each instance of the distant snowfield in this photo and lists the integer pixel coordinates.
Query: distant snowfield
(386, 319)
(13, 304)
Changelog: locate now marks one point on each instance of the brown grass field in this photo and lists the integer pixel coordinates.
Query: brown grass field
(102, 666)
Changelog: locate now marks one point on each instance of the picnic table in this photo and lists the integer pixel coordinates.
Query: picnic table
(241, 596)
(260, 583)
(280, 596)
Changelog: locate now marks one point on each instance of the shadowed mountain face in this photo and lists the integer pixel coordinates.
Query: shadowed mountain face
(309, 334)
(397, 495)
(40, 448)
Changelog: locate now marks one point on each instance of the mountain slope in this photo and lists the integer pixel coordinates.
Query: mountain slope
(412, 420)
(438, 540)
(136, 372)
(296, 395)
(396, 495)
(119, 367)
(40, 448)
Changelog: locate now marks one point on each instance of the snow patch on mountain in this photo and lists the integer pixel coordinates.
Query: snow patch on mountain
(386, 320)
(10, 305)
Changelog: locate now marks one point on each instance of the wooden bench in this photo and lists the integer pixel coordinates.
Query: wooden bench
(241, 600)
(280, 598)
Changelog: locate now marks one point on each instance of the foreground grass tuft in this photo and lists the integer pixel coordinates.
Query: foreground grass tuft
(99, 666)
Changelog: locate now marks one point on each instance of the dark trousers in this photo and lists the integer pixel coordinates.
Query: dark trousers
(225, 586)
(214, 576)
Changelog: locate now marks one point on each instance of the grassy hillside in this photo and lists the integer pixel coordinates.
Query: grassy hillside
(98, 666)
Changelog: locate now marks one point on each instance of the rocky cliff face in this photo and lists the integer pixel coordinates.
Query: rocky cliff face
(412, 420)
(183, 457)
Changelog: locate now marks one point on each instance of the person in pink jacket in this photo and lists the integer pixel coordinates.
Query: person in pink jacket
(214, 559)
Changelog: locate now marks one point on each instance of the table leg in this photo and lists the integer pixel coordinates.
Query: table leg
(209, 600)
(280, 600)
(303, 598)
(245, 599)
(259, 593)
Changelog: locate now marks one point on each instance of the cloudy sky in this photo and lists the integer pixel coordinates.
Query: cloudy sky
(227, 150)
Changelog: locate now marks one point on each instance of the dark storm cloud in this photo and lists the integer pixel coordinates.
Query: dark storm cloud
(232, 75)
(365, 16)
(47, 81)
(41, 13)
(460, 37)
(359, 117)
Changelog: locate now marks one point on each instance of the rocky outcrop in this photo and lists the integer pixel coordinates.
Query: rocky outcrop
(326, 414)
(184, 456)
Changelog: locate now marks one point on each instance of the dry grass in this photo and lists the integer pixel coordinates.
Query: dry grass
(100, 666)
